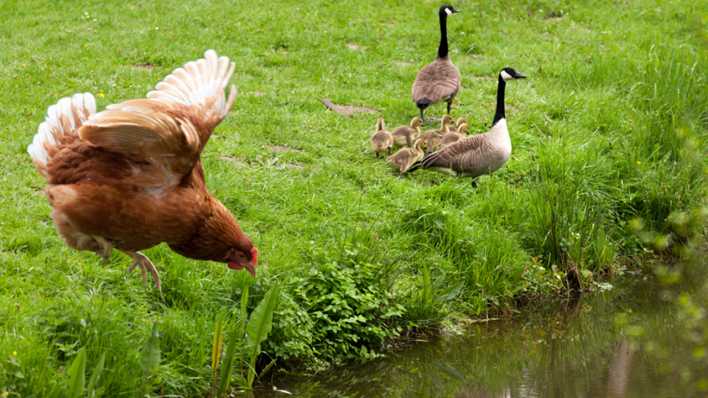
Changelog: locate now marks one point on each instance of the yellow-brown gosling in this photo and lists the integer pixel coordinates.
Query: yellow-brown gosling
(381, 140)
(406, 135)
(404, 158)
(454, 136)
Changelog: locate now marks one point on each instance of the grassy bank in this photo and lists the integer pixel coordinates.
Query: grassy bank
(610, 127)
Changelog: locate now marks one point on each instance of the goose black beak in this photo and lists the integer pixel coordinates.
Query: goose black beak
(519, 76)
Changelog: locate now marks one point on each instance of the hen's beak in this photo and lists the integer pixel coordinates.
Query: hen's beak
(251, 266)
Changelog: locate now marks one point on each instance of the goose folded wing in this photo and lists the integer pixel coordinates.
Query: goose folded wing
(436, 82)
(450, 155)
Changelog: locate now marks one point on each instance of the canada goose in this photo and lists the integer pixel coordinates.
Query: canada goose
(454, 136)
(481, 153)
(404, 158)
(382, 140)
(440, 79)
(405, 135)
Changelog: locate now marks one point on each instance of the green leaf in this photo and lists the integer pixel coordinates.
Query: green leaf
(92, 391)
(234, 339)
(151, 351)
(217, 345)
(77, 375)
(258, 328)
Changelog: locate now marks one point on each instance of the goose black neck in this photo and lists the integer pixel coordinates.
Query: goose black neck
(442, 49)
(499, 114)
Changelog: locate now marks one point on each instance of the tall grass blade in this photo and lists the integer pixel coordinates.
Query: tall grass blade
(243, 316)
(217, 346)
(77, 375)
(235, 337)
(258, 328)
(427, 287)
(92, 391)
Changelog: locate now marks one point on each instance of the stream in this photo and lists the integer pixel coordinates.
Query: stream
(562, 349)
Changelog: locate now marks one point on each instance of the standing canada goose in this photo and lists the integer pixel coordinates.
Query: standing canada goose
(406, 157)
(382, 140)
(432, 138)
(405, 135)
(454, 136)
(440, 79)
(481, 153)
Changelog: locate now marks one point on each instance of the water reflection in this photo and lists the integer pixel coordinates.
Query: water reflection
(562, 350)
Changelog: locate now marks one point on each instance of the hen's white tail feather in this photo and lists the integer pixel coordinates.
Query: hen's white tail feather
(62, 122)
(199, 81)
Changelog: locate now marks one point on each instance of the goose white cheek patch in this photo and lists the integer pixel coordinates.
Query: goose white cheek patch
(448, 12)
(505, 75)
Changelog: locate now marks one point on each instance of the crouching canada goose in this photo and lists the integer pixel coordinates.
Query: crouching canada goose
(406, 135)
(481, 153)
(440, 79)
(406, 157)
(382, 140)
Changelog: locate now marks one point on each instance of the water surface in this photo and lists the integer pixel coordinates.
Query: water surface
(586, 348)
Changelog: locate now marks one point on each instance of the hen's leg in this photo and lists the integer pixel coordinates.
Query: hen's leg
(105, 248)
(139, 260)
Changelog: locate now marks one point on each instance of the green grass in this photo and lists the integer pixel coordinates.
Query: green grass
(611, 125)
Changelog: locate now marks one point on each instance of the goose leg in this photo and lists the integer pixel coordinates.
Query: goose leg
(474, 182)
(449, 106)
(422, 117)
(145, 265)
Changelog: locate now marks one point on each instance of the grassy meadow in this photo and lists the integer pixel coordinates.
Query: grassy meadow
(608, 131)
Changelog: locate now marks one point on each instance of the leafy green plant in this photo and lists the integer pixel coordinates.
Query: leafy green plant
(74, 385)
(259, 325)
(77, 375)
(151, 358)
(350, 310)
(244, 343)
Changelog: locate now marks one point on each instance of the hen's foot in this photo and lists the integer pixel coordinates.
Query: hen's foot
(145, 265)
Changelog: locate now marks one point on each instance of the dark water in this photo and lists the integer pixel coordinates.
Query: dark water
(620, 343)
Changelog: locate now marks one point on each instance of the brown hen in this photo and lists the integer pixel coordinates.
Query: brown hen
(130, 177)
